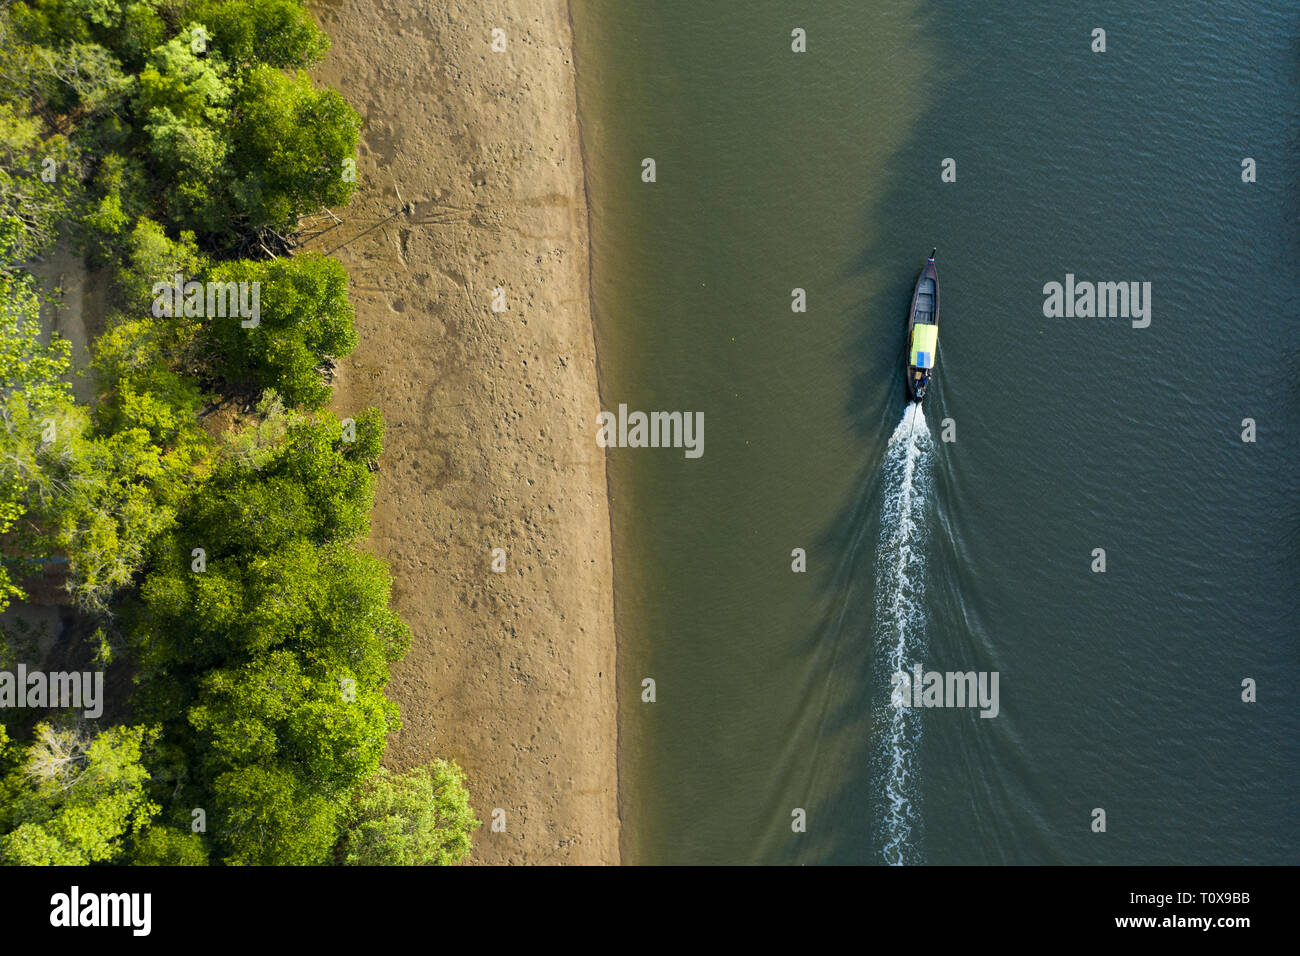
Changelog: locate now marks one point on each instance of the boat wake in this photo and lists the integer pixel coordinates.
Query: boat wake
(906, 476)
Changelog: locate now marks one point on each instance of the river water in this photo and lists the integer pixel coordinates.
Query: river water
(965, 540)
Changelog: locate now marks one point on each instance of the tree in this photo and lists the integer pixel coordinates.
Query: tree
(279, 33)
(276, 524)
(182, 98)
(418, 818)
(142, 29)
(50, 60)
(267, 816)
(76, 798)
(116, 197)
(231, 145)
(275, 654)
(141, 352)
(292, 140)
(151, 256)
(305, 322)
(96, 496)
(160, 845)
(37, 177)
(41, 428)
(282, 709)
(146, 451)
(262, 657)
(124, 495)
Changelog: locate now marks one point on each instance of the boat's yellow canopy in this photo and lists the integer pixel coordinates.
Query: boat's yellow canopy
(925, 340)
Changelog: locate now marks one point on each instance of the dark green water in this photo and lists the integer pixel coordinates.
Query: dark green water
(821, 171)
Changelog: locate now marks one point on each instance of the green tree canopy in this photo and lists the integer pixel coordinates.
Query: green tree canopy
(160, 845)
(41, 428)
(182, 135)
(418, 818)
(182, 99)
(292, 139)
(305, 322)
(152, 256)
(271, 816)
(38, 175)
(97, 497)
(279, 33)
(276, 653)
(75, 798)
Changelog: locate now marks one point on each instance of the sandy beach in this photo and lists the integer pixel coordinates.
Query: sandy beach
(471, 181)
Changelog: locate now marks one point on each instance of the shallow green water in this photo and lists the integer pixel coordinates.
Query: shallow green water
(821, 171)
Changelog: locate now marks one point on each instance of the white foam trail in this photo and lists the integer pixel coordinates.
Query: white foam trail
(900, 628)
